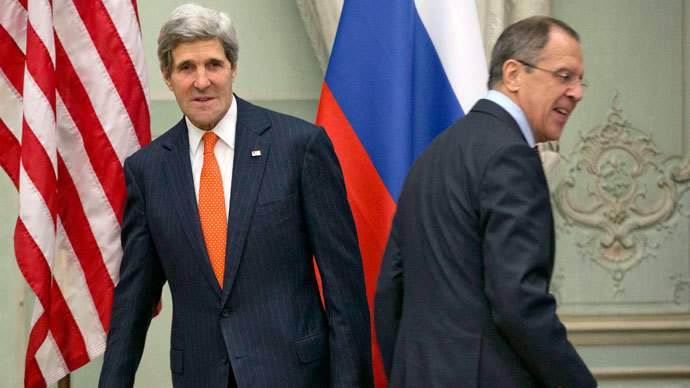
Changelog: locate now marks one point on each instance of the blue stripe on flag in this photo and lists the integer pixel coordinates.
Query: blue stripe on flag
(389, 82)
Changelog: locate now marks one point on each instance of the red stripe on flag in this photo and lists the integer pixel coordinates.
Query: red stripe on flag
(12, 66)
(40, 65)
(11, 60)
(32, 374)
(66, 332)
(372, 205)
(118, 63)
(39, 168)
(32, 264)
(96, 143)
(33, 378)
(23, 3)
(9, 153)
(83, 242)
(136, 12)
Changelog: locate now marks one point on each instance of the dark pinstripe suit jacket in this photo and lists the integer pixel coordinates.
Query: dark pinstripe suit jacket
(462, 298)
(286, 206)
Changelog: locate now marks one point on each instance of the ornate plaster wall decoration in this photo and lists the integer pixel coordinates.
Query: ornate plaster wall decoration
(616, 188)
(681, 289)
(683, 203)
(682, 174)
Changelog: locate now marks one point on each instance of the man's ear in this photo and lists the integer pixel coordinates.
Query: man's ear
(511, 75)
(166, 79)
(233, 71)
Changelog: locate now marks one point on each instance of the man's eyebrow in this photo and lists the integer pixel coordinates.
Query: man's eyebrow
(571, 72)
(180, 64)
(215, 60)
(191, 62)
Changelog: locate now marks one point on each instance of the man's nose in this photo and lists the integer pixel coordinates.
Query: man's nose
(201, 81)
(576, 91)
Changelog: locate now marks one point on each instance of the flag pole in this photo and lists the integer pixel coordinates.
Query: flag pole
(63, 382)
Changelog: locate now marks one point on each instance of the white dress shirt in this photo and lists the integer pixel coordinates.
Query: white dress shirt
(224, 151)
(514, 111)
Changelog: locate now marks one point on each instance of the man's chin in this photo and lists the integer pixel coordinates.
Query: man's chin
(553, 134)
(204, 124)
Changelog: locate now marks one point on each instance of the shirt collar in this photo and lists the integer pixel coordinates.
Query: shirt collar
(515, 112)
(225, 129)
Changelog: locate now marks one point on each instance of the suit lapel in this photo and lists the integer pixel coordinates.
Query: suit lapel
(252, 144)
(178, 173)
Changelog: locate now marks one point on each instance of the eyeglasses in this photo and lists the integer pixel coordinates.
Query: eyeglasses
(565, 77)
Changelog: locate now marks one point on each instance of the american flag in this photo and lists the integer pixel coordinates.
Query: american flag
(73, 106)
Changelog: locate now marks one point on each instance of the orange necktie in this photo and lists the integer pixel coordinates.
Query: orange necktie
(212, 207)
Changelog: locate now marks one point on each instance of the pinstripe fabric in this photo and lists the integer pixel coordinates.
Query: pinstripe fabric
(287, 205)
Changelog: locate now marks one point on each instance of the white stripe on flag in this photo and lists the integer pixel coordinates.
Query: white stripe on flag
(50, 361)
(453, 27)
(40, 117)
(102, 220)
(125, 20)
(104, 98)
(36, 216)
(70, 278)
(11, 107)
(40, 17)
(13, 19)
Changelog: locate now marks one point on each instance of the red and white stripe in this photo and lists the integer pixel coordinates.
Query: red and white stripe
(73, 105)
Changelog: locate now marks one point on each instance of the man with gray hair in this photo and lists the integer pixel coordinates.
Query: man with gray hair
(230, 207)
(462, 297)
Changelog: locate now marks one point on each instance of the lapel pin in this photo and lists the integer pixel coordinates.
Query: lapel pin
(256, 153)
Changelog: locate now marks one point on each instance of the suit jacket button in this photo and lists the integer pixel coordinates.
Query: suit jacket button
(224, 359)
(225, 313)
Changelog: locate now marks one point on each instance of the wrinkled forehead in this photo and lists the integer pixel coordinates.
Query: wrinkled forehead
(198, 50)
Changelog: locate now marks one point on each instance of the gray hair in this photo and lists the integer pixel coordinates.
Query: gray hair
(524, 41)
(190, 23)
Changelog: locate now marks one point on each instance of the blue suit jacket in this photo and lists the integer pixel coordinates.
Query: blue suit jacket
(462, 298)
(287, 206)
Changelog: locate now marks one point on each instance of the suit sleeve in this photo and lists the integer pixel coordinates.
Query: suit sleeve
(517, 226)
(388, 300)
(136, 294)
(333, 238)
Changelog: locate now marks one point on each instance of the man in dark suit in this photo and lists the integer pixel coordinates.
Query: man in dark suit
(230, 206)
(462, 298)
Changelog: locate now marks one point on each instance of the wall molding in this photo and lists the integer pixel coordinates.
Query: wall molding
(641, 373)
(628, 330)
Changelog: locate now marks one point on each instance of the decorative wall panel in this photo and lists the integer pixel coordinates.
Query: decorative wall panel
(620, 181)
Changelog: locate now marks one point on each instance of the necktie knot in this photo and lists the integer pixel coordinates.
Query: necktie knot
(209, 139)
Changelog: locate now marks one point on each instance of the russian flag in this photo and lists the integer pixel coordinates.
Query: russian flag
(401, 71)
